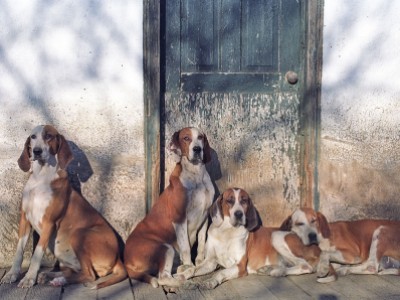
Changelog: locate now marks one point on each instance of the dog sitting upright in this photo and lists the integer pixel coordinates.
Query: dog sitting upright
(81, 240)
(237, 242)
(177, 218)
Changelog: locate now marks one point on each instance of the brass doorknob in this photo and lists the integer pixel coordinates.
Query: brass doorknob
(291, 77)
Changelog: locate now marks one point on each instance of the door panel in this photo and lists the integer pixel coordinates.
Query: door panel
(225, 73)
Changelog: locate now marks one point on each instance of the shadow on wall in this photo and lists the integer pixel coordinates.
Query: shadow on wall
(214, 170)
(73, 65)
(360, 143)
(79, 169)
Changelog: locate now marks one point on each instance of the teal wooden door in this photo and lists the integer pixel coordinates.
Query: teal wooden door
(227, 64)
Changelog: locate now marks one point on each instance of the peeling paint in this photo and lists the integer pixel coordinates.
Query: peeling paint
(255, 139)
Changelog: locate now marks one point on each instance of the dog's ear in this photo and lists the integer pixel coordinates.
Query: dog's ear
(24, 161)
(206, 151)
(287, 224)
(174, 147)
(216, 211)
(323, 225)
(252, 217)
(64, 153)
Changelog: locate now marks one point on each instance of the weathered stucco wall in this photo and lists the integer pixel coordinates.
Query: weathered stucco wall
(360, 137)
(76, 65)
(254, 145)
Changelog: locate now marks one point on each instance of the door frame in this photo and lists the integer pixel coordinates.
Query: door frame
(309, 110)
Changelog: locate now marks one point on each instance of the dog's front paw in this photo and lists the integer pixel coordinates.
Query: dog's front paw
(188, 273)
(183, 268)
(209, 284)
(27, 282)
(10, 277)
(322, 270)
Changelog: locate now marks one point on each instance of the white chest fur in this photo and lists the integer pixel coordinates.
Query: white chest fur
(200, 195)
(227, 243)
(37, 194)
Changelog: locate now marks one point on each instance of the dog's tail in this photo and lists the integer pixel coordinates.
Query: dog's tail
(118, 274)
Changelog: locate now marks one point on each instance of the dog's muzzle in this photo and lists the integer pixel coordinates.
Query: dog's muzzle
(238, 218)
(197, 151)
(37, 153)
(312, 238)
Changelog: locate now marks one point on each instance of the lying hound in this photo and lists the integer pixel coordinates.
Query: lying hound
(177, 218)
(81, 240)
(366, 244)
(238, 243)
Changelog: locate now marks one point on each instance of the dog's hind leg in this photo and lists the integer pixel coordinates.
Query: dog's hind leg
(164, 275)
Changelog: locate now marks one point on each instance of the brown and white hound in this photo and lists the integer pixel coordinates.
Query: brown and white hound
(238, 243)
(362, 246)
(81, 240)
(177, 218)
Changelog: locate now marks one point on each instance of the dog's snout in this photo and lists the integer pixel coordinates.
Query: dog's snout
(37, 151)
(312, 237)
(238, 214)
(197, 149)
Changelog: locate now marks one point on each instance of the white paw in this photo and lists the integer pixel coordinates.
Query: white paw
(182, 268)
(10, 277)
(27, 281)
(188, 273)
(322, 270)
(154, 282)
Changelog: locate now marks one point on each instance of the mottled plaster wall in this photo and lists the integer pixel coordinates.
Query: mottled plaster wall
(253, 142)
(360, 149)
(79, 66)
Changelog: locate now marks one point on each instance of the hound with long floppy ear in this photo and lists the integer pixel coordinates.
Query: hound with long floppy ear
(177, 218)
(233, 217)
(237, 242)
(358, 245)
(81, 240)
(57, 146)
(220, 209)
(175, 146)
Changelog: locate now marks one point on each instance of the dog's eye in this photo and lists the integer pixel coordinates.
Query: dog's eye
(230, 201)
(313, 221)
(33, 136)
(200, 138)
(48, 136)
(186, 138)
(243, 201)
(299, 223)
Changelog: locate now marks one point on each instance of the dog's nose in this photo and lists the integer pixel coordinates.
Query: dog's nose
(197, 149)
(37, 151)
(238, 214)
(312, 238)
